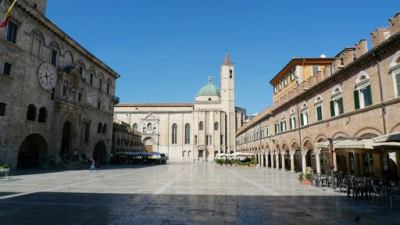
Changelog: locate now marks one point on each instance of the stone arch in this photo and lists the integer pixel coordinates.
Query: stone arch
(310, 156)
(307, 141)
(395, 63)
(320, 138)
(395, 128)
(361, 77)
(367, 130)
(340, 134)
(295, 146)
(148, 142)
(100, 153)
(33, 152)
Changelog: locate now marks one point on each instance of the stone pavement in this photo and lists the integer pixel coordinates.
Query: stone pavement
(179, 193)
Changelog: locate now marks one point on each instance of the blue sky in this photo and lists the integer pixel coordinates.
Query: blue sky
(166, 49)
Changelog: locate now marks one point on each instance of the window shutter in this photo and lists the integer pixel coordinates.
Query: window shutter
(340, 103)
(291, 123)
(319, 113)
(398, 84)
(368, 96)
(301, 119)
(356, 99)
(332, 103)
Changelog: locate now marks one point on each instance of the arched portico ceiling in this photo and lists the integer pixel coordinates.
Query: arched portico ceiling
(367, 132)
(320, 138)
(307, 145)
(395, 128)
(295, 146)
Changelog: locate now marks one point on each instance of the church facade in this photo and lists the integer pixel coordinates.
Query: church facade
(190, 131)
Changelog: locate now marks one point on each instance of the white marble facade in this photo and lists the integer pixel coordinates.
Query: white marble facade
(190, 131)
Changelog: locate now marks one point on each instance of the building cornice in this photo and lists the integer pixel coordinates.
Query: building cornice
(41, 19)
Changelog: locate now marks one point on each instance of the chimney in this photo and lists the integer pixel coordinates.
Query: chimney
(395, 24)
(361, 48)
(379, 35)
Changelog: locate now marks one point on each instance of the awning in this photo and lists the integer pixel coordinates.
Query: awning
(347, 144)
(393, 137)
(389, 146)
(238, 154)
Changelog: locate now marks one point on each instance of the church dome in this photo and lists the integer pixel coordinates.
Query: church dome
(209, 90)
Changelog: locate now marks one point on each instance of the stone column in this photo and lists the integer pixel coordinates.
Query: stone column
(292, 161)
(283, 161)
(277, 160)
(266, 160)
(303, 162)
(272, 161)
(318, 162)
(334, 161)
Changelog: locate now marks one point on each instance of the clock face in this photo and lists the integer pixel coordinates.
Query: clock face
(47, 76)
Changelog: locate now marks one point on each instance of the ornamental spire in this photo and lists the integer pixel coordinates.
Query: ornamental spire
(227, 60)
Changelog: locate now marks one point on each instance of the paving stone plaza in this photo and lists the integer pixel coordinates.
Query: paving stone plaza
(179, 193)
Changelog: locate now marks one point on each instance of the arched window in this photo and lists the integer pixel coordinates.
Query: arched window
(104, 128)
(99, 128)
(362, 92)
(201, 125)
(31, 113)
(187, 134)
(304, 115)
(216, 126)
(174, 133)
(336, 103)
(100, 84)
(42, 115)
(318, 108)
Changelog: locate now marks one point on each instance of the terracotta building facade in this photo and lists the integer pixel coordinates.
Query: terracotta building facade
(349, 109)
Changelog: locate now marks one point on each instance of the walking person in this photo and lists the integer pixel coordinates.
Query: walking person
(93, 166)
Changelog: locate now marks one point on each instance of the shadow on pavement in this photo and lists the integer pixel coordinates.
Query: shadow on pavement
(114, 209)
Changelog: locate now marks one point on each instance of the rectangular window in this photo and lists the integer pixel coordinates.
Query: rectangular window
(356, 99)
(319, 113)
(87, 132)
(54, 57)
(340, 106)
(7, 69)
(398, 84)
(304, 118)
(12, 29)
(367, 96)
(2, 109)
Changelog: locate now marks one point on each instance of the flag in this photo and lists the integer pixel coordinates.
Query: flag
(4, 22)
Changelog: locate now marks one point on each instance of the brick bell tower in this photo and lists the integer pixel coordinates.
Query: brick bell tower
(228, 102)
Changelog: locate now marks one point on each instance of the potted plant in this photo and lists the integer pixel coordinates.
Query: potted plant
(4, 168)
(305, 179)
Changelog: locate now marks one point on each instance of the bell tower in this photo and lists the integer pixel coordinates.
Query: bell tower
(228, 102)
